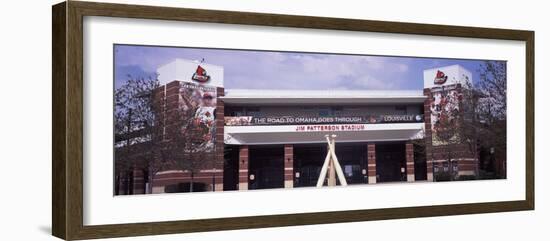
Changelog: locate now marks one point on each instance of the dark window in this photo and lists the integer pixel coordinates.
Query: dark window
(337, 110)
(323, 112)
(266, 165)
(390, 158)
(401, 108)
(234, 111)
(308, 160)
(252, 111)
(231, 168)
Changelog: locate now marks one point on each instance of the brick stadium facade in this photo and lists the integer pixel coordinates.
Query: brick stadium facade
(382, 137)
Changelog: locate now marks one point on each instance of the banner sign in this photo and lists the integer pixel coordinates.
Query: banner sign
(440, 78)
(200, 75)
(197, 103)
(318, 128)
(445, 112)
(293, 120)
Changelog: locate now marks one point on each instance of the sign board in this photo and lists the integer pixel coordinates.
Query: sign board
(301, 120)
(191, 71)
(448, 75)
(331, 128)
(197, 104)
(197, 98)
(446, 99)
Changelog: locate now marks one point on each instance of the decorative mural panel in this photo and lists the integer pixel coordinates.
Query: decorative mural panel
(445, 114)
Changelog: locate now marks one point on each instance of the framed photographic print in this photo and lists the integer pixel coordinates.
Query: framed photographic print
(171, 120)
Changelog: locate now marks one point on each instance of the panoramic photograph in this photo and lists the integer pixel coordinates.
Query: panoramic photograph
(190, 119)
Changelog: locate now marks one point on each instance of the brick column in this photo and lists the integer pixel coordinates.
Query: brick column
(409, 150)
(218, 179)
(428, 134)
(219, 143)
(137, 181)
(243, 168)
(159, 108)
(289, 166)
(371, 163)
(171, 106)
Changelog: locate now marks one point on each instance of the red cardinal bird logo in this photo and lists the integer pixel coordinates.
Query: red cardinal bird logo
(440, 78)
(200, 75)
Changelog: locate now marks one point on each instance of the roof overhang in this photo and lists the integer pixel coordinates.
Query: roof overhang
(280, 101)
(278, 97)
(294, 134)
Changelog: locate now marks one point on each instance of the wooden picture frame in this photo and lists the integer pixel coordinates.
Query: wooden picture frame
(67, 150)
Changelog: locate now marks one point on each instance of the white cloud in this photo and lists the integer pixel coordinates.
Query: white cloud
(300, 71)
(402, 67)
(283, 70)
(369, 82)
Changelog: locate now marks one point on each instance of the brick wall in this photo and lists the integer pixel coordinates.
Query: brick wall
(464, 155)
(289, 166)
(243, 167)
(428, 134)
(166, 105)
(371, 163)
(409, 155)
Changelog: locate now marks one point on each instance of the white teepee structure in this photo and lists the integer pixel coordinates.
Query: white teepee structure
(332, 166)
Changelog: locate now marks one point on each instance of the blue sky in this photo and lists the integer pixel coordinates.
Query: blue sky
(249, 69)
